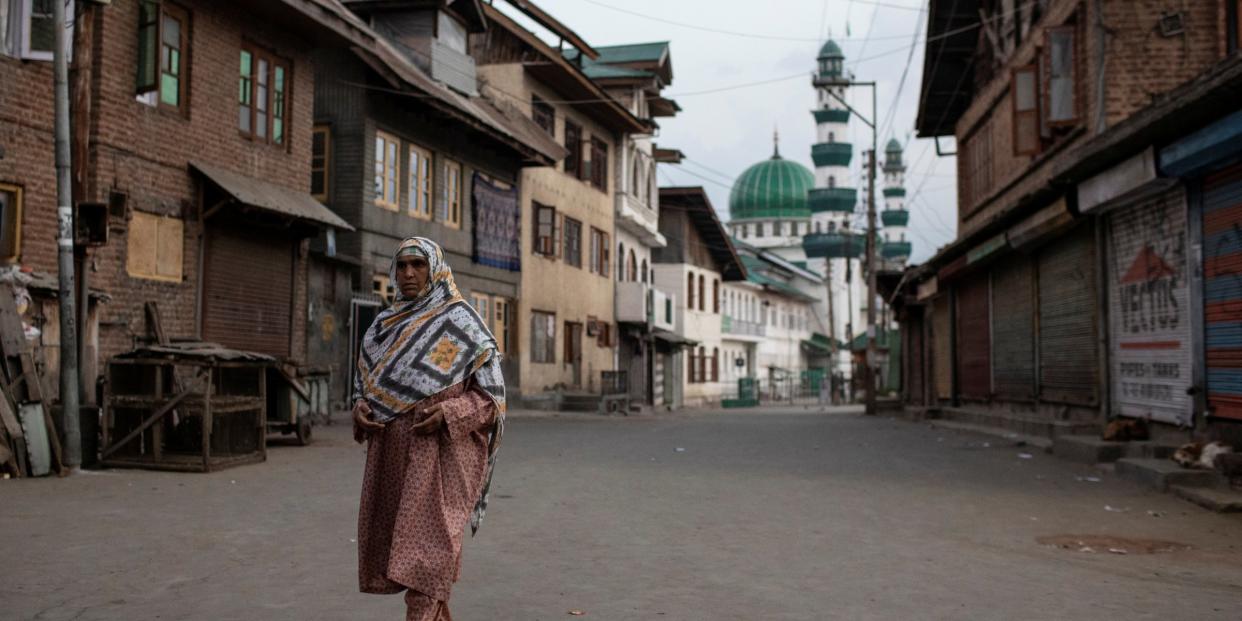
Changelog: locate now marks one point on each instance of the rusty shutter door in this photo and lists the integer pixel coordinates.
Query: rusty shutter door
(974, 342)
(1150, 349)
(1013, 328)
(1068, 371)
(1222, 291)
(248, 289)
(942, 347)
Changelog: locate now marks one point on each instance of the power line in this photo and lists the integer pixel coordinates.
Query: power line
(892, 109)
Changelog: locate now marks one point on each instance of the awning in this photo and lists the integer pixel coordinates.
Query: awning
(672, 338)
(270, 197)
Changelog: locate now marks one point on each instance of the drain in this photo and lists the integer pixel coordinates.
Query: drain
(1108, 544)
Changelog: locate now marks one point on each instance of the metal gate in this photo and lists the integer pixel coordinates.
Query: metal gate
(974, 343)
(1222, 291)
(1013, 328)
(942, 347)
(1149, 335)
(1068, 360)
(248, 289)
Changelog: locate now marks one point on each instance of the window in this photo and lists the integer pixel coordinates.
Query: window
(702, 299)
(387, 187)
(573, 242)
(500, 322)
(690, 291)
(600, 252)
(418, 169)
(702, 364)
(542, 337)
(759, 229)
(1025, 111)
(715, 364)
(745, 231)
(715, 296)
(262, 97)
(644, 272)
(632, 267)
(321, 153)
(1062, 100)
(154, 247)
(668, 310)
(10, 222)
(482, 304)
(620, 262)
(27, 28)
(543, 114)
(977, 154)
(573, 144)
(545, 230)
(163, 40)
(451, 214)
(382, 287)
(599, 164)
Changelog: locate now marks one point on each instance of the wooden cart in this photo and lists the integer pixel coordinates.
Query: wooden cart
(186, 406)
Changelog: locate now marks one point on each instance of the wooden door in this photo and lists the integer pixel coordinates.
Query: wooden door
(573, 351)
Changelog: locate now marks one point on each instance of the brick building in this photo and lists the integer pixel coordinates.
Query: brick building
(1072, 293)
(192, 128)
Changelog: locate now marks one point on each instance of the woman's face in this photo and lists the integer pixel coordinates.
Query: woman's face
(412, 273)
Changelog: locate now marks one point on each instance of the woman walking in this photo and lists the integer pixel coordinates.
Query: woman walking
(429, 400)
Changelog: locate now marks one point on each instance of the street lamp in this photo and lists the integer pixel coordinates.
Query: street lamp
(833, 79)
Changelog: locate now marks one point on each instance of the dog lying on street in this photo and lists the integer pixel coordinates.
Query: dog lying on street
(1200, 455)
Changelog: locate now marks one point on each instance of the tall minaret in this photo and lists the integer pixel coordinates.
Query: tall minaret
(833, 199)
(895, 217)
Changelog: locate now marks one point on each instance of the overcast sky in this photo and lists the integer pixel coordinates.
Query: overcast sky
(725, 131)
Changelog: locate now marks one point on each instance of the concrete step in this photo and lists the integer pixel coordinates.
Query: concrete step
(1021, 423)
(1218, 499)
(1161, 474)
(1007, 435)
(580, 403)
(1090, 449)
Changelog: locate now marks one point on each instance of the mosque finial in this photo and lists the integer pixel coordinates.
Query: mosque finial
(776, 144)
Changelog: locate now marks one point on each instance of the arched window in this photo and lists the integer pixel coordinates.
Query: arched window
(715, 364)
(690, 291)
(651, 196)
(716, 296)
(702, 301)
(817, 227)
(832, 227)
(620, 261)
(632, 267)
(832, 137)
(634, 185)
(645, 272)
(832, 182)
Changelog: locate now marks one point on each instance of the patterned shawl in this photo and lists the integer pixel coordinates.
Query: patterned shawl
(423, 345)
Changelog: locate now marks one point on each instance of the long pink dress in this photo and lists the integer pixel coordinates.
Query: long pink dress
(417, 495)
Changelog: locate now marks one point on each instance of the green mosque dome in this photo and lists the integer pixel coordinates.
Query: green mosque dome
(893, 146)
(773, 188)
(830, 50)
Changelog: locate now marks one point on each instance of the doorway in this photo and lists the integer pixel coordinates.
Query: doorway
(573, 352)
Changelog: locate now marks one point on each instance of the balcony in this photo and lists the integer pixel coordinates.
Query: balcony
(896, 249)
(663, 315)
(632, 300)
(832, 153)
(895, 217)
(828, 115)
(840, 200)
(894, 192)
(640, 220)
(834, 245)
(738, 327)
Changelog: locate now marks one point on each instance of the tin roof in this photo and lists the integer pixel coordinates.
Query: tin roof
(270, 197)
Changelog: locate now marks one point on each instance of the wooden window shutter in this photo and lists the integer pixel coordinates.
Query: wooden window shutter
(1061, 86)
(148, 67)
(1024, 89)
(558, 225)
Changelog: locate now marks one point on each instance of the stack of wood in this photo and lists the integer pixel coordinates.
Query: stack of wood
(29, 440)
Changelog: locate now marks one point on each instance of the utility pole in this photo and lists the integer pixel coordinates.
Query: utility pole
(832, 338)
(64, 242)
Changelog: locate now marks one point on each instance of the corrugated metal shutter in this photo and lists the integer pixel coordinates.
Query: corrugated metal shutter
(1068, 371)
(1222, 291)
(1150, 347)
(248, 289)
(974, 341)
(942, 349)
(1013, 328)
(915, 360)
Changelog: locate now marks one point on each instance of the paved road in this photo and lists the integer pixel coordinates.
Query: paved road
(762, 515)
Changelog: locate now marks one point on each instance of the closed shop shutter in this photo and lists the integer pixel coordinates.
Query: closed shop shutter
(1068, 371)
(248, 289)
(942, 347)
(915, 359)
(1150, 348)
(974, 368)
(1013, 328)
(1222, 291)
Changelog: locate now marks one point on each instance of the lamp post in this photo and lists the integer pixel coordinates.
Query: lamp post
(841, 81)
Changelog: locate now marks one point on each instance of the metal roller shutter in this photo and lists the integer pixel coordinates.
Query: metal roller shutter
(974, 342)
(1222, 291)
(1150, 347)
(1068, 371)
(248, 289)
(915, 360)
(1013, 328)
(942, 347)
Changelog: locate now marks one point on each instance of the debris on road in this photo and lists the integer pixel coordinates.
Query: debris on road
(1114, 509)
(1114, 545)
(1025, 456)
(577, 613)
(681, 450)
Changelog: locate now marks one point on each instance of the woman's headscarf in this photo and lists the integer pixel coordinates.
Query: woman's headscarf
(423, 345)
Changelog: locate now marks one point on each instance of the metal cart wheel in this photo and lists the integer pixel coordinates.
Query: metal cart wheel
(303, 430)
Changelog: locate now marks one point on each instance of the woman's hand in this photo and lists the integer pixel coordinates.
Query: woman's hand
(363, 424)
(434, 421)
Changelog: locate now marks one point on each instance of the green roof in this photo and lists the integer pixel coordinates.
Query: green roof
(597, 72)
(893, 145)
(773, 188)
(830, 50)
(632, 52)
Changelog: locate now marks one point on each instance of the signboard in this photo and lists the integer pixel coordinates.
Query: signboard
(1149, 310)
